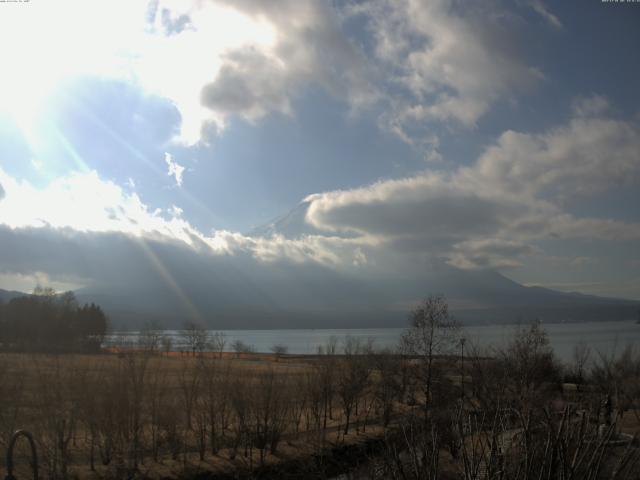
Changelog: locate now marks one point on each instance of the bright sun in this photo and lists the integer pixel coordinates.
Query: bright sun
(42, 43)
(45, 42)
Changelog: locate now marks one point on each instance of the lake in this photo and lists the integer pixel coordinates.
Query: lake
(604, 337)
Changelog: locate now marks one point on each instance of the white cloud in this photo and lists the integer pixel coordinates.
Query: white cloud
(589, 154)
(490, 214)
(437, 205)
(486, 215)
(310, 49)
(432, 61)
(545, 13)
(85, 203)
(590, 105)
(451, 61)
(27, 282)
(174, 49)
(175, 170)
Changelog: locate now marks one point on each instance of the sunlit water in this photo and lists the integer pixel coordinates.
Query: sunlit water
(603, 337)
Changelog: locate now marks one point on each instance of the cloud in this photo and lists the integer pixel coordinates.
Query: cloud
(173, 281)
(444, 61)
(84, 231)
(490, 214)
(431, 62)
(489, 253)
(435, 214)
(544, 12)
(388, 241)
(414, 64)
(248, 85)
(567, 226)
(569, 261)
(311, 49)
(85, 203)
(26, 282)
(214, 60)
(431, 204)
(175, 169)
(248, 59)
(588, 155)
(591, 105)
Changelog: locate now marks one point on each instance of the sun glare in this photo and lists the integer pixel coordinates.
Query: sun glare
(44, 43)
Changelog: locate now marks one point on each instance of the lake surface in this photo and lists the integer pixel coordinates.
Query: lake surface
(604, 337)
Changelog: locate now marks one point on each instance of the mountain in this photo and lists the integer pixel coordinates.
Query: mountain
(7, 295)
(290, 225)
(295, 298)
(155, 279)
(237, 291)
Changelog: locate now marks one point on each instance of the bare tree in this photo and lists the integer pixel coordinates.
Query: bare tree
(432, 332)
(241, 404)
(387, 383)
(298, 395)
(58, 402)
(216, 379)
(156, 390)
(529, 366)
(13, 389)
(218, 341)
(618, 380)
(326, 371)
(488, 378)
(167, 343)
(149, 337)
(195, 337)
(240, 347)
(279, 350)
(269, 411)
(135, 371)
(189, 382)
(352, 377)
(581, 354)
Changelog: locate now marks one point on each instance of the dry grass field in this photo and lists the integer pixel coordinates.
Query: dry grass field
(407, 414)
(110, 415)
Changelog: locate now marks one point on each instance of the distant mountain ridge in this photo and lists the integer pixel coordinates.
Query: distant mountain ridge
(290, 225)
(240, 292)
(131, 309)
(8, 295)
(240, 295)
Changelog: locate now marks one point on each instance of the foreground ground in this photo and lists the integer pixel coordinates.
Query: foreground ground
(149, 415)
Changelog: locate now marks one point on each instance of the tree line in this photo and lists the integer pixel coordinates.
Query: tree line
(50, 322)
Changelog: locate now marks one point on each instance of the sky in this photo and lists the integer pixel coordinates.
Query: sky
(486, 136)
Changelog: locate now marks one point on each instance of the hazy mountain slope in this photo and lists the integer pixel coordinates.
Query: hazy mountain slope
(240, 292)
(170, 282)
(7, 295)
(327, 300)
